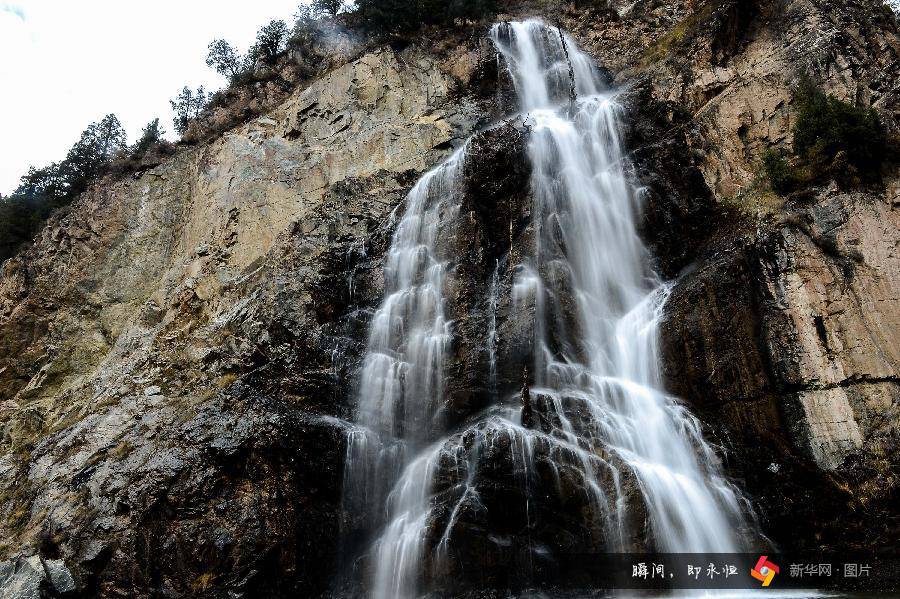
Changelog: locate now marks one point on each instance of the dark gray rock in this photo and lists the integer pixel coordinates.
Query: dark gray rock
(33, 577)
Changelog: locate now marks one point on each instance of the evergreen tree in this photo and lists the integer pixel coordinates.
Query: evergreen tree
(90, 155)
(187, 106)
(405, 16)
(327, 7)
(388, 16)
(224, 59)
(41, 190)
(44, 185)
(18, 216)
(826, 126)
(151, 137)
(833, 139)
(270, 42)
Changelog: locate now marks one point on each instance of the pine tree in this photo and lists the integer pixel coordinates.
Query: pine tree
(270, 42)
(224, 59)
(405, 16)
(87, 159)
(327, 7)
(151, 137)
(187, 106)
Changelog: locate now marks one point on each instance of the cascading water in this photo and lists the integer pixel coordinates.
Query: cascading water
(592, 413)
(589, 249)
(401, 386)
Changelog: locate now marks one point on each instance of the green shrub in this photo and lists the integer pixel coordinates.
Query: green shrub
(832, 140)
(779, 172)
(826, 126)
(406, 16)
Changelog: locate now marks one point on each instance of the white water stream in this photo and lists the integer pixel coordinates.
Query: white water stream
(588, 246)
(595, 372)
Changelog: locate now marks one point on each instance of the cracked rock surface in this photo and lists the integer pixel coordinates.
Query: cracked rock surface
(178, 350)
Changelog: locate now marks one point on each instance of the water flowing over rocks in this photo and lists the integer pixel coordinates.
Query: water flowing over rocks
(609, 445)
(180, 351)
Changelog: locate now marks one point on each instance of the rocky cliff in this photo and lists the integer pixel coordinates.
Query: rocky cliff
(178, 350)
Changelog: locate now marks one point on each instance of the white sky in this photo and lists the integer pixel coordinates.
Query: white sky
(67, 63)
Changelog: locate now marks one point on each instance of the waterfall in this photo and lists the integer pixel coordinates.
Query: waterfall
(401, 387)
(585, 211)
(592, 412)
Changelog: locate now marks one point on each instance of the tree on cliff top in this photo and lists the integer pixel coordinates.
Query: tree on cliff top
(151, 137)
(187, 105)
(41, 190)
(98, 145)
(224, 59)
(270, 42)
(405, 16)
(328, 7)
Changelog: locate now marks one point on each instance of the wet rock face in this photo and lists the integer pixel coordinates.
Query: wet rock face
(495, 212)
(511, 526)
(786, 338)
(179, 351)
(34, 578)
(239, 510)
(680, 213)
(780, 331)
(782, 327)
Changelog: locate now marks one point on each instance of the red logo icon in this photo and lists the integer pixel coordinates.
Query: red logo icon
(764, 571)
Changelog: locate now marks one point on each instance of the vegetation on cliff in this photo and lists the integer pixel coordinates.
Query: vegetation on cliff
(257, 81)
(101, 149)
(187, 106)
(833, 139)
(403, 16)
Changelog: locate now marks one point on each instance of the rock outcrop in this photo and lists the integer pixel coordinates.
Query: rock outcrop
(782, 327)
(178, 350)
